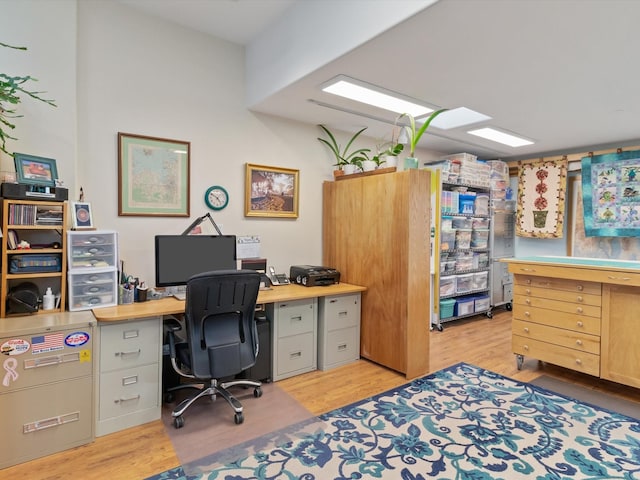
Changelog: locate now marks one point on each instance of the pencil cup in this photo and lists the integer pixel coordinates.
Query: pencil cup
(141, 294)
(126, 295)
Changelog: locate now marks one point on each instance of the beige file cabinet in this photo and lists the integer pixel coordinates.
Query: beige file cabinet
(294, 336)
(129, 359)
(338, 330)
(47, 385)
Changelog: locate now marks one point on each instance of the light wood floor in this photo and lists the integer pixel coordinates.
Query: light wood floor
(139, 452)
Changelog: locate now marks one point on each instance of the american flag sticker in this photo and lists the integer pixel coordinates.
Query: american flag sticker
(47, 343)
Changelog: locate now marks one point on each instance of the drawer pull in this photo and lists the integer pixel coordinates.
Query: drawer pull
(579, 342)
(526, 347)
(624, 279)
(528, 270)
(50, 422)
(580, 324)
(343, 314)
(528, 301)
(579, 310)
(297, 354)
(296, 319)
(333, 300)
(526, 329)
(528, 291)
(133, 352)
(133, 379)
(54, 360)
(578, 361)
(122, 400)
(342, 346)
(527, 313)
(130, 334)
(580, 288)
(579, 298)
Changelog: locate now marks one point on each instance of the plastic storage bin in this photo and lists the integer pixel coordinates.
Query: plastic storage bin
(480, 238)
(463, 261)
(479, 223)
(480, 280)
(465, 306)
(481, 303)
(447, 239)
(447, 307)
(96, 249)
(462, 222)
(466, 203)
(480, 259)
(448, 285)
(92, 289)
(464, 283)
(463, 238)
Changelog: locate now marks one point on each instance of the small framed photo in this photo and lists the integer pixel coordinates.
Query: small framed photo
(271, 192)
(35, 170)
(82, 218)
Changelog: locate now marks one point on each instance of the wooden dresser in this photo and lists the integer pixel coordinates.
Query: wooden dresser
(579, 314)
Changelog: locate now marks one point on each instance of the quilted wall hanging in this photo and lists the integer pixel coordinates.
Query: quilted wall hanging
(611, 194)
(541, 198)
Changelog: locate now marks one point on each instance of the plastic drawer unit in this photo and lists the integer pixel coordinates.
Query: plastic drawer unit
(95, 249)
(92, 289)
(338, 330)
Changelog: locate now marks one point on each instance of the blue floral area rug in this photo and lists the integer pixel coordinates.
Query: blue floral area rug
(462, 422)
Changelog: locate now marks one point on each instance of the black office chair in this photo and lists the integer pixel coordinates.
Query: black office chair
(222, 338)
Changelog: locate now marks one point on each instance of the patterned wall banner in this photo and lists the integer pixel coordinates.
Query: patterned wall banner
(611, 194)
(541, 198)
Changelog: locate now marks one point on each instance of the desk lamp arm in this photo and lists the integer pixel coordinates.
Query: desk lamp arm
(199, 220)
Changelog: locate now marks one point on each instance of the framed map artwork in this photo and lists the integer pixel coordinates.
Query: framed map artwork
(153, 176)
(611, 194)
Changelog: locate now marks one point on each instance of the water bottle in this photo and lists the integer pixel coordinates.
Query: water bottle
(48, 300)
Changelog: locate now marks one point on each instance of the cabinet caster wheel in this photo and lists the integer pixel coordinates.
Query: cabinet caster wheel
(508, 307)
(257, 392)
(519, 361)
(489, 315)
(440, 328)
(238, 418)
(178, 422)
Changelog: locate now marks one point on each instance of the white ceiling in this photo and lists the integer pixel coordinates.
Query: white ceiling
(563, 73)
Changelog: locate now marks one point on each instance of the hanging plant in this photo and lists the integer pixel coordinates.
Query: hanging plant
(10, 89)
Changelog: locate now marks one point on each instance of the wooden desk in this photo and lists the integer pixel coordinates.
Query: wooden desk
(580, 313)
(128, 352)
(172, 306)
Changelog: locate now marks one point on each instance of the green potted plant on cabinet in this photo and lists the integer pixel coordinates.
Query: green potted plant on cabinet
(388, 154)
(414, 135)
(346, 161)
(10, 89)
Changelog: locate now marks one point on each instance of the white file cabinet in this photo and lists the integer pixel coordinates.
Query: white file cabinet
(294, 337)
(47, 386)
(93, 269)
(129, 369)
(338, 330)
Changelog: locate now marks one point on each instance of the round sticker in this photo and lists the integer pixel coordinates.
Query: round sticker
(76, 339)
(15, 346)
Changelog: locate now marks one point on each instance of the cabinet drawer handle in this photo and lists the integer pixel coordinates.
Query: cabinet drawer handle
(578, 361)
(133, 352)
(580, 288)
(296, 319)
(526, 329)
(342, 314)
(528, 270)
(526, 347)
(342, 346)
(333, 300)
(528, 291)
(297, 354)
(580, 324)
(50, 422)
(527, 314)
(54, 360)
(579, 298)
(122, 400)
(579, 342)
(579, 310)
(528, 301)
(624, 279)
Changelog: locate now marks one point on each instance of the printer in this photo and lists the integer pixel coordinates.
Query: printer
(311, 276)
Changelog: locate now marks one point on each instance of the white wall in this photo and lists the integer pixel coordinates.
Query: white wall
(141, 75)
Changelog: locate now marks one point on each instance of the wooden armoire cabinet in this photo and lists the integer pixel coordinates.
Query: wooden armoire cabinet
(376, 232)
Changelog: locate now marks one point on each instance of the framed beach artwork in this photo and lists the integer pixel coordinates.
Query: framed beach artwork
(271, 191)
(153, 176)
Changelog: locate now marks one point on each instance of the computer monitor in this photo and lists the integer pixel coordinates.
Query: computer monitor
(179, 257)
